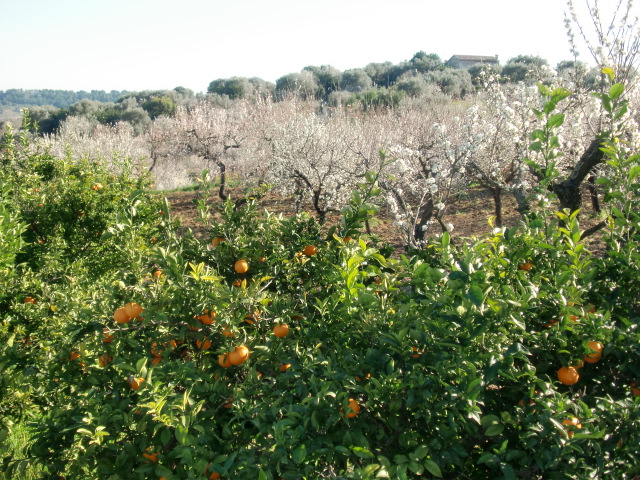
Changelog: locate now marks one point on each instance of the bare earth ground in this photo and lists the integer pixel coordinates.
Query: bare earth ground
(469, 215)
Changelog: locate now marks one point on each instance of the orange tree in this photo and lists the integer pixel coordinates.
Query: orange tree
(439, 364)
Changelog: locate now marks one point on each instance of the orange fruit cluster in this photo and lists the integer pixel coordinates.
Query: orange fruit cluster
(237, 357)
(596, 352)
(127, 313)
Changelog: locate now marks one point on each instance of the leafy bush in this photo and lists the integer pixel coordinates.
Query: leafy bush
(277, 348)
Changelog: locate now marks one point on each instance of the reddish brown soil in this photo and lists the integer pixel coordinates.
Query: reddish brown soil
(469, 214)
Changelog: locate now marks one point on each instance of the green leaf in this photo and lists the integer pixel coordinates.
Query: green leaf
(616, 90)
(446, 238)
(165, 436)
(262, 475)
(299, 454)
(162, 471)
(433, 468)
(489, 420)
(475, 295)
(400, 459)
(537, 134)
(370, 469)
(362, 452)
(341, 449)
(494, 430)
(489, 459)
(535, 146)
(182, 435)
(621, 111)
(555, 120)
(416, 468)
(370, 176)
(609, 72)
(419, 453)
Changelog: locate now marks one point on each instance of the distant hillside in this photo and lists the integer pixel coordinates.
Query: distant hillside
(17, 97)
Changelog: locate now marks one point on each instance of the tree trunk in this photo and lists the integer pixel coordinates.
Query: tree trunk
(593, 192)
(522, 200)
(223, 180)
(425, 214)
(496, 193)
(568, 191)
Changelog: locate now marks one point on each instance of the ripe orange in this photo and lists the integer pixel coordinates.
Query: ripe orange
(237, 282)
(310, 250)
(203, 344)
(417, 352)
(224, 361)
(217, 241)
(568, 375)
(352, 408)
(105, 359)
(241, 266)
(526, 266)
(157, 274)
(29, 300)
(229, 403)
(73, 355)
(572, 423)
(284, 367)
(596, 352)
(239, 355)
(228, 333)
(151, 456)
(262, 259)
(97, 186)
(133, 309)
(207, 318)
(281, 330)
(121, 316)
(346, 239)
(156, 359)
(136, 383)
(635, 389)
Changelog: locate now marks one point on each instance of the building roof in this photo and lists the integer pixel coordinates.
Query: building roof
(476, 58)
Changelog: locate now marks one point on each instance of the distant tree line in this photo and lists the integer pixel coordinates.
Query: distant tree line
(137, 108)
(55, 98)
(378, 85)
(386, 84)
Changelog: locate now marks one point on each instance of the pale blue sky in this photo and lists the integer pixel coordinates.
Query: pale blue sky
(157, 44)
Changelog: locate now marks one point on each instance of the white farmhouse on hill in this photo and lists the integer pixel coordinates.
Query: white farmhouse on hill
(466, 61)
